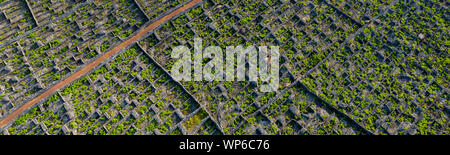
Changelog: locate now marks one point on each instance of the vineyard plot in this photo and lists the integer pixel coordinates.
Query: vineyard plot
(346, 67)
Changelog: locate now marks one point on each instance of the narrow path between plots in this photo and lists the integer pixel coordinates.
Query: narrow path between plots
(95, 63)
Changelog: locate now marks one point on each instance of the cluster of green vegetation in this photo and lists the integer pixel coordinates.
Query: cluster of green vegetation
(20, 20)
(244, 94)
(391, 77)
(50, 10)
(318, 48)
(99, 105)
(52, 52)
(155, 8)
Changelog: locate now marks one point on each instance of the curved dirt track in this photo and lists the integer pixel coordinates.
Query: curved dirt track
(94, 63)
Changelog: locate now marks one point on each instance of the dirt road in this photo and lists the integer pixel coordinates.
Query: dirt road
(94, 63)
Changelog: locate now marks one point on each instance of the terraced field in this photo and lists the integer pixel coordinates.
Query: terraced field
(103, 67)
